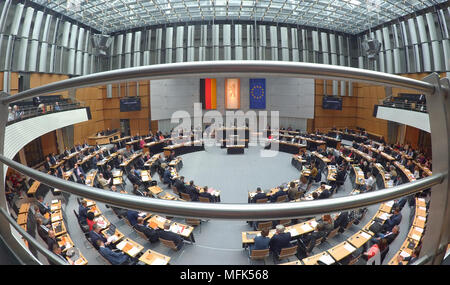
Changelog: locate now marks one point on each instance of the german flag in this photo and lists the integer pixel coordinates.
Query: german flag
(208, 95)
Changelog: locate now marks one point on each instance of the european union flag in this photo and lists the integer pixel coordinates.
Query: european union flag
(258, 93)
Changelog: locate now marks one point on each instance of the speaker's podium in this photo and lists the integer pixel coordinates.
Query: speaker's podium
(233, 147)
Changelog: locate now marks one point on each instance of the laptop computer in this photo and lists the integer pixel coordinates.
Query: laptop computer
(111, 230)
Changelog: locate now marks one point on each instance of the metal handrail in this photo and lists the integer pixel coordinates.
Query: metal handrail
(50, 255)
(272, 211)
(35, 111)
(288, 69)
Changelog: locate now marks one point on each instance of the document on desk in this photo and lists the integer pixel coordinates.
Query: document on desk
(159, 261)
(422, 218)
(313, 224)
(306, 227)
(349, 247)
(390, 203)
(161, 219)
(121, 245)
(54, 201)
(112, 239)
(133, 251)
(327, 259)
(365, 235)
(404, 254)
(420, 230)
(384, 216)
(293, 232)
(416, 237)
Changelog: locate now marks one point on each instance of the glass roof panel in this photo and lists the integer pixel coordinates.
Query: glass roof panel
(340, 15)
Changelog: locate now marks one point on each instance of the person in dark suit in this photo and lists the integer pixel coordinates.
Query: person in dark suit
(47, 164)
(179, 184)
(394, 220)
(42, 230)
(134, 178)
(259, 195)
(192, 191)
(61, 255)
(43, 207)
(150, 233)
(53, 159)
(51, 239)
(310, 240)
(204, 193)
(82, 179)
(261, 242)
(82, 212)
(36, 102)
(107, 174)
(341, 221)
(96, 235)
(166, 234)
(77, 170)
(280, 240)
(325, 192)
(116, 258)
(132, 216)
(388, 236)
(67, 151)
(277, 194)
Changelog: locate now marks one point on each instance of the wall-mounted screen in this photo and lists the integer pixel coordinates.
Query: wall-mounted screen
(130, 104)
(332, 103)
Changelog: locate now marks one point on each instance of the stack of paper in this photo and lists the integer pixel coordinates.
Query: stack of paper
(161, 219)
(159, 261)
(121, 245)
(404, 254)
(133, 251)
(349, 247)
(365, 235)
(293, 232)
(54, 201)
(306, 227)
(327, 259)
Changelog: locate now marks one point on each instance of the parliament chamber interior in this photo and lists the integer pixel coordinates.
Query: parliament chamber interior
(180, 132)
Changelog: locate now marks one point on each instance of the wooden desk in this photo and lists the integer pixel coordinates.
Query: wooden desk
(22, 218)
(159, 221)
(80, 261)
(155, 190)
(56, 216)
(130, 247)
(95, 210)
(145, 176)
(295, 262)
(151, 257)
(92, 140)
(117, 173)
(66, 241)
(24, 208)
(341, 250)
(332, 172)
(33, 188)
(55, 206)
(56, 225)
(102, 222)
(312, 260)
(359, 175)
(117, 181)
(359, 239)
(118, 234)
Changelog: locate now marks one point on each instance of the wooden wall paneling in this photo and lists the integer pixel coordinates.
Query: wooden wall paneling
(49, 144)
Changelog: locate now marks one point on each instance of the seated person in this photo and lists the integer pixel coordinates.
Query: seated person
(325, 192)
(277, 194)
(303, 184)
(167, 234)
(279, 240)
(328, 223)
(43, 207)
(137, 191)
(292, 191)
(38, 215)
(259, 195)
(82, 212)
(394, 220)
(61, 255)
(150, 233)
(192, 191)
(82, 180)
(132, 216)
(134, 179)
(103, 182)
(389, 236)
(261, 242)
(90, 220)
(52, 239)
(167, 176)
(96, 234)
(410, 259)
(370, 182)
(310, 240)
(116, 258)
(107, 174)
(41, 229)
(341, 221)
(179, 184)
(204, 193)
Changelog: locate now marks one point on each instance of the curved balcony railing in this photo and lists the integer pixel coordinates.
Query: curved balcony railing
(436, 90)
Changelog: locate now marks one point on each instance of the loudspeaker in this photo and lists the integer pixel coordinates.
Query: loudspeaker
(375, 111)
(88, 111)
(101, 43)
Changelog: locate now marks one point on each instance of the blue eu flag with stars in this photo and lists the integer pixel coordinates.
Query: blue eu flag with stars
(258, 93)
